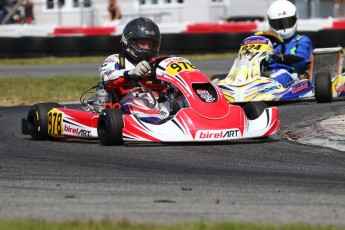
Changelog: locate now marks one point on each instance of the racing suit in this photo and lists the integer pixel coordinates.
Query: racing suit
(291, 62)
(116, 80)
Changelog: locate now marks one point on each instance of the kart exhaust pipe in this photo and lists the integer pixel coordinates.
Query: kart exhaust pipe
(115, 106)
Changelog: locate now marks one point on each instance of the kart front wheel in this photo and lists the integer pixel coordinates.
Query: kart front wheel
(37, 120)
(253, 110)
(218, 77)
(323, 87)
(109, 127)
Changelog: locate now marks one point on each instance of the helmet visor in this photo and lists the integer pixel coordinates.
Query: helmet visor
(283, 23)
(147, 44)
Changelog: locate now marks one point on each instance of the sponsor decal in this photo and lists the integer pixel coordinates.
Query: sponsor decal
(253, 48)
(267, 89)
(256, 41)
(282, 14)
(177, 66)
(109, 72)
(124, 40)
(55, 122)
(152, 32)
(173, 59)
(299, 88)
(77, 131)
(204, 94)
(340, 88)
(217, 134)
(163, 113)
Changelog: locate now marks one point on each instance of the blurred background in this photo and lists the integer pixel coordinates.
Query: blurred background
(94, 12)
(85, 27)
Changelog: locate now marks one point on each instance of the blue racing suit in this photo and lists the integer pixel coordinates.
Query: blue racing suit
(292, 61)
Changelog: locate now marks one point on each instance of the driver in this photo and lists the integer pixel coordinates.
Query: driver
(121, 73)
(291, 62)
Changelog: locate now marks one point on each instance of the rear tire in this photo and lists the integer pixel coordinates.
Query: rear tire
(110, 125)
(253, 110)
(38, 120)
(218, 77)
(323, 87)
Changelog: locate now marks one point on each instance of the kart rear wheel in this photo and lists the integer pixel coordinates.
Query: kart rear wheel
(37, 120)
(218, 77)
(323, 87)
(110, 125)
(253, 110)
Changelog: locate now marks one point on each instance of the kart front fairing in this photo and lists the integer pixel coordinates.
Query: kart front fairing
(338, 85)
(202, 96)
(248, 65)
(248, 79)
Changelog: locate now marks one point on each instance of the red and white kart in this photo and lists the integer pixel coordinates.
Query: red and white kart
(207, 117)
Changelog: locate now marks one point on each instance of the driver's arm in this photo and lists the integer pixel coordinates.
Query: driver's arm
(303, 51)
(111, 73)
(114, 77)
(297, 54)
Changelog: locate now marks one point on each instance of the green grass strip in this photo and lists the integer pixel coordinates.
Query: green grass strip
(25, 91)
(125, 225)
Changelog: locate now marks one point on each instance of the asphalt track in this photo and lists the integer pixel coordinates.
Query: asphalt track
(272, 180)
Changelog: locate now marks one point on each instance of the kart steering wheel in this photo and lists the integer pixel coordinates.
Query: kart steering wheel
(275, 38)
(152, 77)
(153, 62)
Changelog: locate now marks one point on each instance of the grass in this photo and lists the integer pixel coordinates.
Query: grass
(23, 91)
(57, 89)
(125, 225)
(26, 91)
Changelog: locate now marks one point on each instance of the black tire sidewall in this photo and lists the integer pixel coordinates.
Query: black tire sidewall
(218, 76)
(323, 87)
(109, 127)
(38, 120)
(253, 110)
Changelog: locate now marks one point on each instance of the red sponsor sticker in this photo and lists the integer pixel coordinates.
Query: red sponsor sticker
(256, 41)
(299, 88)
(340, 88)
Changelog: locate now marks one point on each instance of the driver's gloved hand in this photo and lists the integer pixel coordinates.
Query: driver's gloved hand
(277, 57)
(140, 70)
(287, 59)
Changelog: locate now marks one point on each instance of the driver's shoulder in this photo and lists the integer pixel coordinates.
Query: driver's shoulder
(112, 58)
(302, 38)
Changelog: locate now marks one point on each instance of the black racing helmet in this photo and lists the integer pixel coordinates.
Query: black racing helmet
(140, 29)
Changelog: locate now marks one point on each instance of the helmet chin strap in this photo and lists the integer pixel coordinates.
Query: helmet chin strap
(129, 57)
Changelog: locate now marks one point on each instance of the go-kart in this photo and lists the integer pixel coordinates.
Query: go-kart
(328, 73)
(248, 79)
(207, 115)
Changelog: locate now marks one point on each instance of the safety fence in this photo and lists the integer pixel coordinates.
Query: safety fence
(193, 38)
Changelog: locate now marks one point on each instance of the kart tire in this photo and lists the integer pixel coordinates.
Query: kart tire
(218, 77)
(109, 127)
(37, 120)
(323, 87)
(253, 110)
